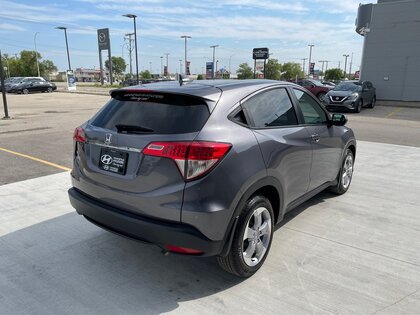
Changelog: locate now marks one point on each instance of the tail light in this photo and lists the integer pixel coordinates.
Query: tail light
(194, 159)
(79, 135)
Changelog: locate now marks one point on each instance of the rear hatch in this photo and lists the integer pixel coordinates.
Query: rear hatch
(110, 161)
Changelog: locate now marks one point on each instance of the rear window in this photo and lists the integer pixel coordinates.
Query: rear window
(154, 113)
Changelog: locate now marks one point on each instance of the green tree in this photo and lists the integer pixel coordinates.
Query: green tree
(145, 74)
(290, 70)
(334, 74)
(273, 69)
(245, 72)
(28, 63)
(46, 67)
(118, 65)
(200, 77)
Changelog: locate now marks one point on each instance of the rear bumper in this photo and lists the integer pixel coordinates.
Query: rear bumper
(142, 228)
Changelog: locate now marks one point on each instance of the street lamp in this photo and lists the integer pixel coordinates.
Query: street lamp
(150, 67)
(303, 65)
(67, 44)
(161, 66)
(180, 66)
(310, 58)
(214, 58)
(36, 54)
(167, 63)
(132, 16)
(185, 37)
(345, 64)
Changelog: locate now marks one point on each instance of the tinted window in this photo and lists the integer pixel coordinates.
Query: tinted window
(312, 111)
(348, 86)
(154, 113)
(270, 109)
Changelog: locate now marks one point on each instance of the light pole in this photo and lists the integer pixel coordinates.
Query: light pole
(130, 50)
(217, 61)
(303, 65)
(229, 65)
(214, 58)
(310, 58)
(167, 63)
(345, 64)
(36, 54)
(185, 37)
(180, 66)
(161, 66)
(351, 63)
(150, 67)
(67, 44)
(133, 16)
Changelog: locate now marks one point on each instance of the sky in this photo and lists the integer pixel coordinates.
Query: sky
(237, 26)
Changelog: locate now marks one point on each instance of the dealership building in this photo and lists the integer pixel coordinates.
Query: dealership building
(391, 49)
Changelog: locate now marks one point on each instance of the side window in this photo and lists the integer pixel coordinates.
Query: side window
(270, 109)
(312, 112)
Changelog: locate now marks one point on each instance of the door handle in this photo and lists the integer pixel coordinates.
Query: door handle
(315, 137)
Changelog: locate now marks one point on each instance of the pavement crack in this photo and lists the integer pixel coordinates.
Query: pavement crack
(351, 246)
(396, 302)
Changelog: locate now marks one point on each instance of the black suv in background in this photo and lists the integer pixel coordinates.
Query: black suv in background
(210, 167)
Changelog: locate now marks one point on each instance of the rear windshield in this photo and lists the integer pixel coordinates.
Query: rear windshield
(153, 113)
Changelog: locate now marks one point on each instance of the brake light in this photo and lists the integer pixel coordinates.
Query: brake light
(194, 159)
(79, 135)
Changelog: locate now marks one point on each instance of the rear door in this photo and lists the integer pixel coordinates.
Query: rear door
(325, 139)
(112, 167)
(285, 145)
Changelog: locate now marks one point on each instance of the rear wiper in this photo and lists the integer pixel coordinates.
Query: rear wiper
(132, 129)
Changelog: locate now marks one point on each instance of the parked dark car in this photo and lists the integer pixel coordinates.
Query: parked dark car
(352, 95)
(30, 85)
(12, 81)
(210, 167)
(315, 87)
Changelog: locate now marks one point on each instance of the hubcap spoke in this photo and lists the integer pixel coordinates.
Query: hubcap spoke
(249, 252)
(249, 233)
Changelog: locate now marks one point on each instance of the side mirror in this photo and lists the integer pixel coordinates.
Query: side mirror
(338, 120)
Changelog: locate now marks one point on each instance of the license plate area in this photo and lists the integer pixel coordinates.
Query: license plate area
(113, 161)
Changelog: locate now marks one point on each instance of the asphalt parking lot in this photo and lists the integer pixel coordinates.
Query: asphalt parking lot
(354, 254)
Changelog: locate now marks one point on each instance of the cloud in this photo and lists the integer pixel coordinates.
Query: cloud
(10, 27)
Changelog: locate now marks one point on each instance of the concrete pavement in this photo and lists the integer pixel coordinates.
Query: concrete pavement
(354, 254)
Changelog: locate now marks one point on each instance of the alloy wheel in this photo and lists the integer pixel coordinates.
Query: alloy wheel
(347, 172)
(257, 235)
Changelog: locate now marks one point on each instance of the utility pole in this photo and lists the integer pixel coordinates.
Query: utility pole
(3, 90)
(323, 62)
(150, 67)
(133, 16)
(167, 63)
(303, 65)
(36, 54)
(186, 60)
(130, 50)
(214, 58)
(351, 63)
(310, 58)
(161, 66)
(345, 64)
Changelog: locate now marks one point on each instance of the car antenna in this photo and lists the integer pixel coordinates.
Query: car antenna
(183, 80)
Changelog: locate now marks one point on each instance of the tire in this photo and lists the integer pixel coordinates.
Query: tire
(253, 235)
(25, 91)
(358, 109)
(321, 96)
(49, 90)
(345, 174)
(372, 105)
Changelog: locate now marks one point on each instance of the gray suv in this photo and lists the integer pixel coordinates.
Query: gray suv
(208, 168)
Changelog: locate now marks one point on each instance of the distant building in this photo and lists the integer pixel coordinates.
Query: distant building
(391, 49)
(88, 75)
